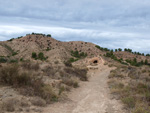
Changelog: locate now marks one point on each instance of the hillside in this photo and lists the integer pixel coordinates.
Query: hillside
(37, 70)
(24, 46)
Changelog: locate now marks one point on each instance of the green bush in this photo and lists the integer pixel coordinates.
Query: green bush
(14, 53)
(3, 60)
(101, 48)
(34, 55)
(49, 35)
(73, 60)
(11, 39)
(13, 61)
(48, 49)
(41, 56)
(78, 55)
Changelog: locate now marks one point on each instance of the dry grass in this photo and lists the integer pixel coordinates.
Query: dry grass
(31, 84)
(30, 66)
(28, 79)
(70, 82)
(136, 93)
(37, 101)
(80, 73)
(9, 105)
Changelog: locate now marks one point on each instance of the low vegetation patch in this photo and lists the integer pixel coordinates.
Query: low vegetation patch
(78, 54)
(80, 73)
(134, 88)
(101, 48)
(133, 62)
(10, 76)
(40, 56)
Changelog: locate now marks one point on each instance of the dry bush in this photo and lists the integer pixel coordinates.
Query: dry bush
(129, 101)
(24, 103)
(80, 73)
(31, 84)
(114, 74)
(30, 66)
(9, 105)
(49, 71)
(8, 74)
(70, 82)
(110, 65)
(141, 109)
(68, 63)
(144, 71)
(105, 63)
(46, 92)
(37, 101)
(136, 93)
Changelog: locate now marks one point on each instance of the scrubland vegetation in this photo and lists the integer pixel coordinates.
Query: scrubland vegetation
(46, 85)
(132, 86)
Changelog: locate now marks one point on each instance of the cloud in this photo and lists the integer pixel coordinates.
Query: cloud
(103, 38)
(110, 23)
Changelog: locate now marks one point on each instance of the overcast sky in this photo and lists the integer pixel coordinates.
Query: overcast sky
(108, 23)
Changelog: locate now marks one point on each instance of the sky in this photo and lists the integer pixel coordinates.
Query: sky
(108, 23)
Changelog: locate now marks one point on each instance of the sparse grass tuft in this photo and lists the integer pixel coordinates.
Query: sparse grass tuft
(133, 90)
(80, 73)
(30, 66)
(10, 76)
(129, 101)
(9, 105)
(70, 82)
(37, 101)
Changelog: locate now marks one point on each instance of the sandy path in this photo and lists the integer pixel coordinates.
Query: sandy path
(92, 97)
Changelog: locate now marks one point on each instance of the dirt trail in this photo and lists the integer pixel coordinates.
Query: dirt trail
(91, 97)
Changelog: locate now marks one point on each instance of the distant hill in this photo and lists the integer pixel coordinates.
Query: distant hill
(23, 47)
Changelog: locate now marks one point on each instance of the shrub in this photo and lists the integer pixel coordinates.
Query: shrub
(49, 35)
(37, 101)
(8, 74)
(68, 64)
(41, 56)
(14, 53)
(61, 89)
(129, 101)
(30, 66)
(21, 59)
(47, 93)
(80, 73)
(11, 39)
(23, 79)
(3, 60)
(48, 49)
(101, 48)
(73, 60)
(78, 55)
(34, 55)
(9, 105)
(70, 82)
(13, 61)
